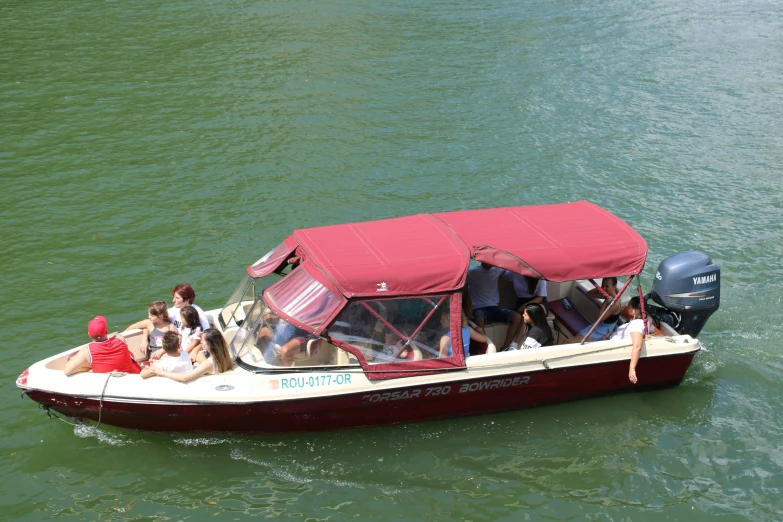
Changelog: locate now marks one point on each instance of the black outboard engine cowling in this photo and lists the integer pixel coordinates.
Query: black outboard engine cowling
(687, 285)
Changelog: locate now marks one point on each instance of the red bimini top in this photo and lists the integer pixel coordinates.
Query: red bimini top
(430, 253)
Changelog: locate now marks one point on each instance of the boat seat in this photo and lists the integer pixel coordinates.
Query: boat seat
(496, 332)
(133, 339)
(317, 352)
(212, 322)
(572, 319)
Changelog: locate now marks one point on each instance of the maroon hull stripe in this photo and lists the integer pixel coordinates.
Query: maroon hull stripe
(408, 404)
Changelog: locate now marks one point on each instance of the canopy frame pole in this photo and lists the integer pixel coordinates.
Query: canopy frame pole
(408, 339)
(600, 289)
(384, 321)
(435, 308)
(643, 307)
(606, 310)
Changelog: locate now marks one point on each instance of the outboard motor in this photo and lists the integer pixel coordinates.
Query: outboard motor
(687, 286)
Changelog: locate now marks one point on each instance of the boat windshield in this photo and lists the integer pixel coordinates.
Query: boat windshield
(235, 310)
(238, 305)
(265, 340)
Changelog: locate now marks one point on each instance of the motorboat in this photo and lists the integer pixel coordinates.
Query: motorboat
(369, 304)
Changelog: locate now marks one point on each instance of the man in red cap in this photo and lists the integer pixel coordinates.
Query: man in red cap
(104, 354)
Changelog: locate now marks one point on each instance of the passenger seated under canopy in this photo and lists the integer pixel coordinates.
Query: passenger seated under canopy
(468, 333)
(536, 332)
(482, 283)
(609, 308)
(392, 330)
(279, 340)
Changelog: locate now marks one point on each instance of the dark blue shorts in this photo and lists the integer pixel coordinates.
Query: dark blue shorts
(493, 314)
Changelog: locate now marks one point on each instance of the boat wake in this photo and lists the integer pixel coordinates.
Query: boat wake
(304, 474)
(236, 454)
(86, 431)
(201, 441)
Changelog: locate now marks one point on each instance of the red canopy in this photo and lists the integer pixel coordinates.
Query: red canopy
(562, 242)
(430, 253)
(392, 257)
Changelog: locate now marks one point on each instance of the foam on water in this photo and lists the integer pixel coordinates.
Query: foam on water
(112, 438)
(201, 441)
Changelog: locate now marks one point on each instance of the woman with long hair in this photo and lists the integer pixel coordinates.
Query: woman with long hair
(609, 285)
(219, 359)
(190, 331)
(538, 331)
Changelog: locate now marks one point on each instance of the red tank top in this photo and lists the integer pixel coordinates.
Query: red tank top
(112, 355)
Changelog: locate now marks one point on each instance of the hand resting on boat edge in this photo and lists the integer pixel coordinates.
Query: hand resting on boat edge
(633, 329)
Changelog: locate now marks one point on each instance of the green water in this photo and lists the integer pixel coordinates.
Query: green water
(147, 143)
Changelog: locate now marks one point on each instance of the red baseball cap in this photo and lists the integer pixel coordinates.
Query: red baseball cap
(97, 327)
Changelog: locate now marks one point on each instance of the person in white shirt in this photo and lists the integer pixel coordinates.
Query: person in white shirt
(173, 360)
(190, 331)
(220, 360)
(183, 295)
(189, 334)
(482, 283)
(633, 329)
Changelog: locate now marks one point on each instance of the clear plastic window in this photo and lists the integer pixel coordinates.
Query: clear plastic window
(238, 305)
(266, 340)
(397, 330)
